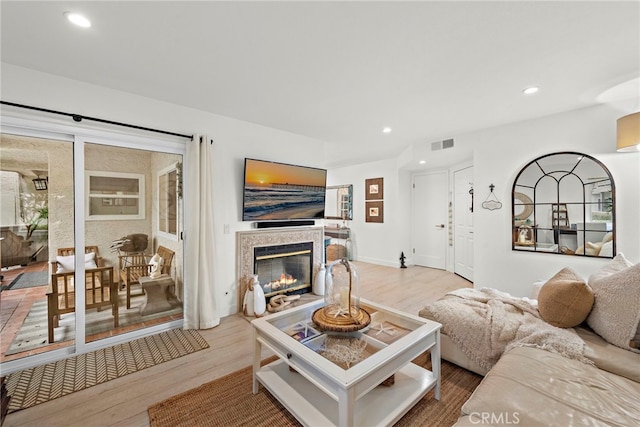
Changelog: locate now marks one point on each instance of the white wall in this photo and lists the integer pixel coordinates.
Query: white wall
(499, 155)
(378, 243)
(233, 141)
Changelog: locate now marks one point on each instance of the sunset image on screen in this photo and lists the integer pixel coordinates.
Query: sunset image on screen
(266, 173)
(277, 191)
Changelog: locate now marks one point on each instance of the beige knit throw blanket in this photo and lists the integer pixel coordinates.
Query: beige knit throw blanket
(485, 323)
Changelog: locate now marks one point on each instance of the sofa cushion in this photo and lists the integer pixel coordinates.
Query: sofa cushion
(616, 311)
(67, 263)
(608, 356)
(534, 387)
(565, 300)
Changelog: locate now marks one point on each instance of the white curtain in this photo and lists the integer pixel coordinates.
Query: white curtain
(200, 306)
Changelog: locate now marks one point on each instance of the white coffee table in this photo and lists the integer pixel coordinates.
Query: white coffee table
(318, 392)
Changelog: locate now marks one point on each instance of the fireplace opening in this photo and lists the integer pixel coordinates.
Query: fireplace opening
(284, 268)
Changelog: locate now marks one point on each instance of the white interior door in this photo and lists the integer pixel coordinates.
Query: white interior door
(430, 195)
(463, 223)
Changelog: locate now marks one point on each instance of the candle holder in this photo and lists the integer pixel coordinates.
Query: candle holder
(341, 311)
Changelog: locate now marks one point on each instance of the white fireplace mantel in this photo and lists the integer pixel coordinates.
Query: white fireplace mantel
(246, 241)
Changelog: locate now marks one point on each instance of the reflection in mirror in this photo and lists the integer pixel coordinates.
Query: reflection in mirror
(339, 202)
(564, 203)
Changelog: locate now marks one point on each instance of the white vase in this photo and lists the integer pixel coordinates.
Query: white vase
(259, 301)
(248, 303)
(318, 282)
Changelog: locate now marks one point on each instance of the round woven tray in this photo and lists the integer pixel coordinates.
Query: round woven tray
(359, 319)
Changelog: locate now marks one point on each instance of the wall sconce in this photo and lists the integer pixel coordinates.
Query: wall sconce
(40, 183)
(629, 133)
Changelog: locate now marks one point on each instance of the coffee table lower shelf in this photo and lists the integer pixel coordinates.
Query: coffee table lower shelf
(380, 406)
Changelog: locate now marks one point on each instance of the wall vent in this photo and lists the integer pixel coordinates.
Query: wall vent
(442, 145)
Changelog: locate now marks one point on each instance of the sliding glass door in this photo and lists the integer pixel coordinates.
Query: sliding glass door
(36, 181)
(100, 213)
(132, 219)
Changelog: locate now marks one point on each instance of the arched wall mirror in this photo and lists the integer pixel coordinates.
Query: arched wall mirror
(564, 203)
(339, 202)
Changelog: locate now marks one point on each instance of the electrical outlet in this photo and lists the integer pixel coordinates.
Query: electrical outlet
(226, 229)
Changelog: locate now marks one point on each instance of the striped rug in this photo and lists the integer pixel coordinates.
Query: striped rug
(33, 332)
(47, 382)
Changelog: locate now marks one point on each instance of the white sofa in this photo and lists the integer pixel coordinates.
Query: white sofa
(535, 387)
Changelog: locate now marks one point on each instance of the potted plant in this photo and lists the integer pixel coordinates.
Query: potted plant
(35, 209)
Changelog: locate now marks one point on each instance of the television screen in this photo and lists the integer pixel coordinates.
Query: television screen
(277, 191)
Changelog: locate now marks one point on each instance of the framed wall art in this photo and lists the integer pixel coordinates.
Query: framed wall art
(374, 211)
(374, 189)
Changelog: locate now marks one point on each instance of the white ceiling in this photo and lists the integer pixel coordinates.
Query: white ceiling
(341, 71)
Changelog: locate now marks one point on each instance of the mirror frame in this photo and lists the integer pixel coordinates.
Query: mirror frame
(524, 222)
(349, 190)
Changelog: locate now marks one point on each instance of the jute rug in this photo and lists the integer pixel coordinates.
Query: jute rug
(47, 382)
(229, 401)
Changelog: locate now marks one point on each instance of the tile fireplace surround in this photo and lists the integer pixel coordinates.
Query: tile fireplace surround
(246, 241)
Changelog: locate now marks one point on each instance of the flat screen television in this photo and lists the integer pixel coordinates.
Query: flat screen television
(282, 192)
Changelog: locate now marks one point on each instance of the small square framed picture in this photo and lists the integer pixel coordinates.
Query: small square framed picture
(374, 211)
(374, 188)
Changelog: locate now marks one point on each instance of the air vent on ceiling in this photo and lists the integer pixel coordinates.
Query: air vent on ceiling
(442, 145)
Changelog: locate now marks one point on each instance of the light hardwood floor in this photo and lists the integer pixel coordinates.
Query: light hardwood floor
(124, 401)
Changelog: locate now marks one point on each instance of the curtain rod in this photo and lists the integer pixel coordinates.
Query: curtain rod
(79, 118)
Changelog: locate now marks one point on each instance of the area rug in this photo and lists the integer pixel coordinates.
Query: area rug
(29, 280)
(47, 382)
(229, 401)
(33, 332)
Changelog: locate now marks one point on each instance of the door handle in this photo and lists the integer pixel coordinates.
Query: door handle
(439, 225)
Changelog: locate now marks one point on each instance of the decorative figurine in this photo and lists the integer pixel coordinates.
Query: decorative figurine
(402, 258)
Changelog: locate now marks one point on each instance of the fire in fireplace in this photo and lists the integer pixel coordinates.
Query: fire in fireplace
(284, 268)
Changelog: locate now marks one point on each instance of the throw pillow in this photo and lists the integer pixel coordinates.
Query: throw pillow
(67, 263)
(616, 312)
(618, 263)
(565, 300)
(535, 289)
(156, 263)
(90, 260)
(607, 249)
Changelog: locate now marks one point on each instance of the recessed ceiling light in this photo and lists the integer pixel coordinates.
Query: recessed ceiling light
(78, 19)
(531, 90)
(386, 130)
(422, 162)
